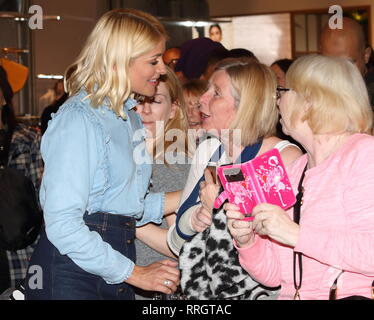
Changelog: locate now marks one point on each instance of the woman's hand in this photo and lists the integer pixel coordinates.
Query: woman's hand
(272, 221)
(208, 191)
(202, 217)
(241, 230)
(161, 276)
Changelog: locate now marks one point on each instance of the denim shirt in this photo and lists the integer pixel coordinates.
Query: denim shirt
(90, 167)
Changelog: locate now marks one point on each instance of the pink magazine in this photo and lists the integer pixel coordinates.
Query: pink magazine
(261, 180)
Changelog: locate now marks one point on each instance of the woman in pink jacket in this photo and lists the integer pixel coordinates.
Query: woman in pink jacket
(330, 252)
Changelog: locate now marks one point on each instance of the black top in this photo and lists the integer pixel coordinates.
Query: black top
(47, 112)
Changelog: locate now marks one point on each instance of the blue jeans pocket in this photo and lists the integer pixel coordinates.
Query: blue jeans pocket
(63, 279)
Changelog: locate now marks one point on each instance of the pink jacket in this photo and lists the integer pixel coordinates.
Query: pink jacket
(336, 228)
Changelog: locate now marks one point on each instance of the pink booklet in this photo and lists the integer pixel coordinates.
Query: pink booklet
(261, 180)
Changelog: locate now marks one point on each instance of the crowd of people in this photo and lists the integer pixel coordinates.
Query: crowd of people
(122, 172)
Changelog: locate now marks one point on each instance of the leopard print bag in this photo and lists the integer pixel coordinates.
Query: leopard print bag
(210, 268)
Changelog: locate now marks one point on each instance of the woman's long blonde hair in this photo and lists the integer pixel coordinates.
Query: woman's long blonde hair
(254, 87)
(102, 67)
(179, 122)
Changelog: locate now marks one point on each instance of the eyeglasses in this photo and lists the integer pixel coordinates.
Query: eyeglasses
(280, 90)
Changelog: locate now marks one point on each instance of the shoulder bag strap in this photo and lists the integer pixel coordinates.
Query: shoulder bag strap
(296, 218)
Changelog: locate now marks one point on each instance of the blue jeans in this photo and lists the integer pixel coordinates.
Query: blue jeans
(64, 280)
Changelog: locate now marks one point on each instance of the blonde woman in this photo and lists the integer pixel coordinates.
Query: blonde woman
(239, 108)
(94, 192)
(322, 248)
(164, 117)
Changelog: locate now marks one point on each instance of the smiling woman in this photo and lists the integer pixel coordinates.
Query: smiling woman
(93, 192)
(146, 70)
(115, 34)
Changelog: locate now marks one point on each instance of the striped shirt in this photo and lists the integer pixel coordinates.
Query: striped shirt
(24, 155)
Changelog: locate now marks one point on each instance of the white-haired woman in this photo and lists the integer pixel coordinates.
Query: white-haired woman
(323, 247)
(93, 191)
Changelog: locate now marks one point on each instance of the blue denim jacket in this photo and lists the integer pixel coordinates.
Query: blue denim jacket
(89, 167)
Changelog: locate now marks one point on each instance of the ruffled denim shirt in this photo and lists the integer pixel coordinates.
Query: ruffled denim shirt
(95, 161)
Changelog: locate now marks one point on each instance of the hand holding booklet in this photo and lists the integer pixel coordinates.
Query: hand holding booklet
(261, 180)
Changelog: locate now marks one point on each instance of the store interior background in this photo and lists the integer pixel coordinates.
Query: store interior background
(272, 29)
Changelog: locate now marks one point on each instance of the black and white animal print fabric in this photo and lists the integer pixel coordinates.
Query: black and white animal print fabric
(210, 268)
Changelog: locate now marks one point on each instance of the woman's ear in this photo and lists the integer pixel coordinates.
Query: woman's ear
(367, 54)
(305, 109)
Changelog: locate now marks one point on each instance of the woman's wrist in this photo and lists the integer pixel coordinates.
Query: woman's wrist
(185, 224)
(248, 243)
(294, 236)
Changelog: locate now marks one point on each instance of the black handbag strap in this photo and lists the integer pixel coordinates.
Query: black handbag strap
(334, 288)
(333, 293)
(296, 218)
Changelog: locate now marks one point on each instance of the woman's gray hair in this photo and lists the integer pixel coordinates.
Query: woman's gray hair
(335, 92)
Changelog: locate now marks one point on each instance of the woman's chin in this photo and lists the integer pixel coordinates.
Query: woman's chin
(206, 126)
